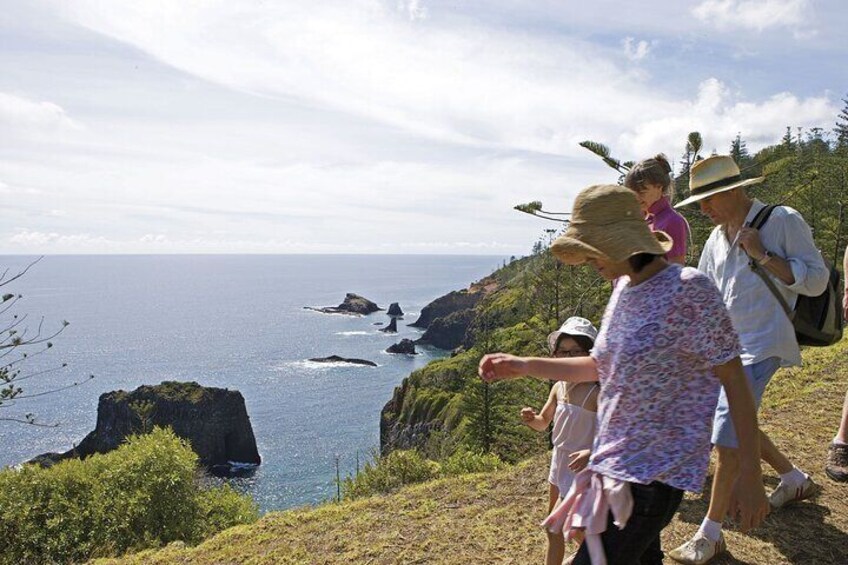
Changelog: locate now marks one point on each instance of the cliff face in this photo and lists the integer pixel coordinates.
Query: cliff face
(214, 420)
(431, 408)
(396, 432)
(449, 331)
(426, 402)
(448, 304)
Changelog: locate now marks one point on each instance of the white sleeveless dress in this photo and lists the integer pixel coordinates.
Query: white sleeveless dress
(574, 429)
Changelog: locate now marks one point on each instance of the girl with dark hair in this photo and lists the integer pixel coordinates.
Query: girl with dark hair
(651, 180)
(573, 409)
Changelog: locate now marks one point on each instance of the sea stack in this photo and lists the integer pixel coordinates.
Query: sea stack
(395, 310)
(404, 347)
(214, 420)
(391, 328)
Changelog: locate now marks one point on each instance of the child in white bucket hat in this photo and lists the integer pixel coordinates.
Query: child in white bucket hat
(573, 409)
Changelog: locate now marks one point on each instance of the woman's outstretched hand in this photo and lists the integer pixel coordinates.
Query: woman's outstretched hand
(501, 366)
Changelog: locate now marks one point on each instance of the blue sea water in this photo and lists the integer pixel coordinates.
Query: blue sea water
(233, 321)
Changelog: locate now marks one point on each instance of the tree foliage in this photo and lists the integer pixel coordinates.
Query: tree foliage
(144, 494)
(20, 343)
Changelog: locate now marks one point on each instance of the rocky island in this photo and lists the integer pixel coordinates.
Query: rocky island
(214, 420)
(337, 359)
(353, 305)
(404, 347)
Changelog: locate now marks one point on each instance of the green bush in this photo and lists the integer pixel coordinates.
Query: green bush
(144, 494)
(401, 468)
(464, 461)
(389, 473)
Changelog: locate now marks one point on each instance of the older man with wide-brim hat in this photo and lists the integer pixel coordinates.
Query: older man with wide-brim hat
(785, 249)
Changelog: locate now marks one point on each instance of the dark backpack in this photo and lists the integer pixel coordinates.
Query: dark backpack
(817, 319)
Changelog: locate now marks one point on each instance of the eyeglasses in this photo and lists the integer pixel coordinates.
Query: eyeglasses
(570, 353)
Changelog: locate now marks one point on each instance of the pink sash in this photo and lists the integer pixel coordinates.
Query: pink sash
(586, 506)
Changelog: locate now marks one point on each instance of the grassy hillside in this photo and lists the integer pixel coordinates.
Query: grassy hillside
(492, 518)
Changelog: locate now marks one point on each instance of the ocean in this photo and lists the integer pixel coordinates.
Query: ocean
(237, 322)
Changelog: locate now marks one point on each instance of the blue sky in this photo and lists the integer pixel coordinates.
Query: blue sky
(368, 126)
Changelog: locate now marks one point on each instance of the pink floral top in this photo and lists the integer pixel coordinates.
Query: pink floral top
(658, 344)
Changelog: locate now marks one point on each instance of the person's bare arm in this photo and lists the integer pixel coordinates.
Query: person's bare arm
(542, 420)
(749, 494)
(502, 366)
(749, 240)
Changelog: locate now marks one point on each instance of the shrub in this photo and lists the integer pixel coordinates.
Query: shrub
(144, 494)
(401, 468)
(464, 461)
(389, 473)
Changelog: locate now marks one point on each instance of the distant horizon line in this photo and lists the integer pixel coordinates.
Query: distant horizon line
(265, 254)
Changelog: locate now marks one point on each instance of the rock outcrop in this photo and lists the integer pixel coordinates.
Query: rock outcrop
(404, 346)
(448, 332)
(214, 420)
(396, 434)
(337, 359)
(445, 305)
(353, 305)
(391, 328)
(395, 310)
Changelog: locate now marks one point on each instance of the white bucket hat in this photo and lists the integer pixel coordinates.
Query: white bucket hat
(573, 326)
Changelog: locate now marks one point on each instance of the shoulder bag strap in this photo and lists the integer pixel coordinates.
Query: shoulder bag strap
(757, 223)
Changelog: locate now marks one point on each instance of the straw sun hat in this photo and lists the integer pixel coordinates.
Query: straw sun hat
(606, 221)
(712, 175)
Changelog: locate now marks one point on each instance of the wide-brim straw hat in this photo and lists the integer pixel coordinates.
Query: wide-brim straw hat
(712, 175)
(573, 326)
(606, 221)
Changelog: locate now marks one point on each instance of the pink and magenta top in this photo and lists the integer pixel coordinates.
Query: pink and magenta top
(655, 353)
(662, 217)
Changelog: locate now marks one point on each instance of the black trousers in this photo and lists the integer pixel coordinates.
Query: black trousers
(638, 543)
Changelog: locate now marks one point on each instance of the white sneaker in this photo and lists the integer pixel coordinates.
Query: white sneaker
(698, 550)
(784, 495)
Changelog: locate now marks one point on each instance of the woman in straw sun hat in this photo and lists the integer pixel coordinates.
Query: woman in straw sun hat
(659, 362)
(572, 407)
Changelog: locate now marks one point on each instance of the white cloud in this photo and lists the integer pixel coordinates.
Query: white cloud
(719, 114)
(357, 125)
(17, 111)
(756, 15)
(30, 239)
(413, 9)
(636, 50)
(456, 82)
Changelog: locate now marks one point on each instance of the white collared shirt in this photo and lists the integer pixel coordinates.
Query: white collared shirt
(764, 329)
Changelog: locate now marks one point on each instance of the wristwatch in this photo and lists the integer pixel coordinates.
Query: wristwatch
(765, 258)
